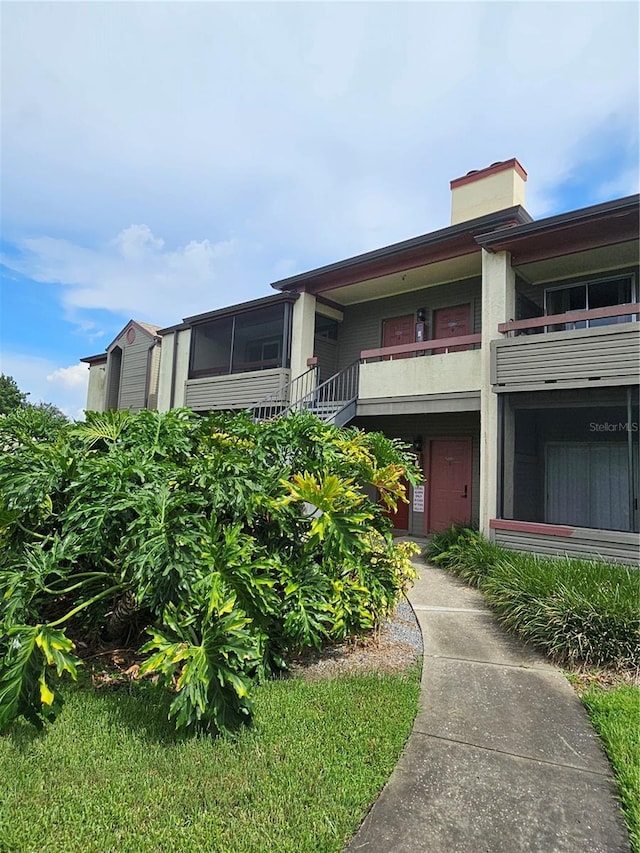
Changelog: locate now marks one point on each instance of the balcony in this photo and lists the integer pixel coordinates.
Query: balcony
(234, 391)
(442, 366)
(571, 350)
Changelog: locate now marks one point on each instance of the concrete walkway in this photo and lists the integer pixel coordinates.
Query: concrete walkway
(502, 756)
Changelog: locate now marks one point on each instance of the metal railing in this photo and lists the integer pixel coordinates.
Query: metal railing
(330, 398)
(278, 403)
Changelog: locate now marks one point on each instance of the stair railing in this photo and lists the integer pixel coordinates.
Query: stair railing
(330, 397)
(278, 402)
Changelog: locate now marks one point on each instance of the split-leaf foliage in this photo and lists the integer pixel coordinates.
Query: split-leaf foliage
(232, 543)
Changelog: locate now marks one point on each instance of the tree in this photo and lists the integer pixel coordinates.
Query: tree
(11, 397)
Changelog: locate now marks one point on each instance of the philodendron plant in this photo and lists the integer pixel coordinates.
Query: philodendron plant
(229, 543)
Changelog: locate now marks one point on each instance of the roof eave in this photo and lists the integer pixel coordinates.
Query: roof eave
(94, 359)
(515, 215)
(241, 307)
(501, 239)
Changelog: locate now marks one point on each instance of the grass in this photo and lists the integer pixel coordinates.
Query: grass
(112, 775)
(615, 715)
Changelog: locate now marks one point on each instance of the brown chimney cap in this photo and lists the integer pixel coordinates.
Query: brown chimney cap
(494, 168)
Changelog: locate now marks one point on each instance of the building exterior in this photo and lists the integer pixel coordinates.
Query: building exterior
(505, 351)
(126, 375)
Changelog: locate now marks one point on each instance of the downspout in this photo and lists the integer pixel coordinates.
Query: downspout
(147, 379)
(286, 336)
(632, 484)
(500, 460)
(233, 343)
(172, 396)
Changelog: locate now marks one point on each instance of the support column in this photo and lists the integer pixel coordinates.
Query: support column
(174, 369)
(498, 306)
(302, 332)
(97, 387)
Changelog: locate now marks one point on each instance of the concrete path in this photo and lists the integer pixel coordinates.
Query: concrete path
(502, 756)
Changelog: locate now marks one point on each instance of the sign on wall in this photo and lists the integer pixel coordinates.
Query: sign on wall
(418, 499)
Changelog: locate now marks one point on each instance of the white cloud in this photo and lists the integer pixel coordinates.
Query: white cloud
(45, 382)
(255, 137)
(72, 377)
(132, 274)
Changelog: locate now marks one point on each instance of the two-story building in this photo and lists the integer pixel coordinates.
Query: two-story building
(505, 351)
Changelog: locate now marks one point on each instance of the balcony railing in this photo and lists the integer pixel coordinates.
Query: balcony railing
(547, 323)
(421, 348)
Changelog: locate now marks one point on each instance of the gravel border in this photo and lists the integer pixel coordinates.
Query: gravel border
(395, 648)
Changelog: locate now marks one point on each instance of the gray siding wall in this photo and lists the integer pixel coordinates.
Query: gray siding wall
(529, 299)
(133, 380)
(327, 353)
(604, 544)
(429, 426)
(235, 391)
(362, 324)
(608, 355)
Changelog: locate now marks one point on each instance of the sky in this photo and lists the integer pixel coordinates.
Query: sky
(161, 159)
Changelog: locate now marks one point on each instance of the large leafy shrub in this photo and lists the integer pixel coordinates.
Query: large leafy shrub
(231, 542)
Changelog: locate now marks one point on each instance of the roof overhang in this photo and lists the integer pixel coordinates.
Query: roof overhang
(240, 308)
(101, 358)
(590, 228)
(447, 244)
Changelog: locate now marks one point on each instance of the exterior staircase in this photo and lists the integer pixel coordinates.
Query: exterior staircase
(333, 401)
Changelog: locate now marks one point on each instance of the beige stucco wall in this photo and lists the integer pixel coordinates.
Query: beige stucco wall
(487, 195)
(164, 377)
(166, 369)
(302, 333)
(96, 387)
(445, 373)
(498, 306)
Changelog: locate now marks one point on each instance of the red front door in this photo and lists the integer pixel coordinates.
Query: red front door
(400, 330)
(452, 323)
(449, 483)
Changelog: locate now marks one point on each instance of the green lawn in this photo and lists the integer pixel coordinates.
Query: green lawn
(111, 774)
(615, 715)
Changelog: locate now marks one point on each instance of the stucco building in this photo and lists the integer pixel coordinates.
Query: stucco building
(506, 351)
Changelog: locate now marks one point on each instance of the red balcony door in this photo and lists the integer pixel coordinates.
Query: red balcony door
(399, 330)
(452, 323)
(449, 483)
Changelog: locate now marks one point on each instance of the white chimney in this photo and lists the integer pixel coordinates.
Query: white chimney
(498, 187)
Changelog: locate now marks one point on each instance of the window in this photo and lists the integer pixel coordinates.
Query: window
(257, 342)
(240, 343)
(326, 328)
(589, 295)
(263, 351)
(211, 347)
(572, 459)
(587, 485)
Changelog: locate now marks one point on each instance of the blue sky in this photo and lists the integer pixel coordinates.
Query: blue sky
(162, 159)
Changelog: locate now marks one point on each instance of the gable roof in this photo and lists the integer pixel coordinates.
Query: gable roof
(146, 328)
